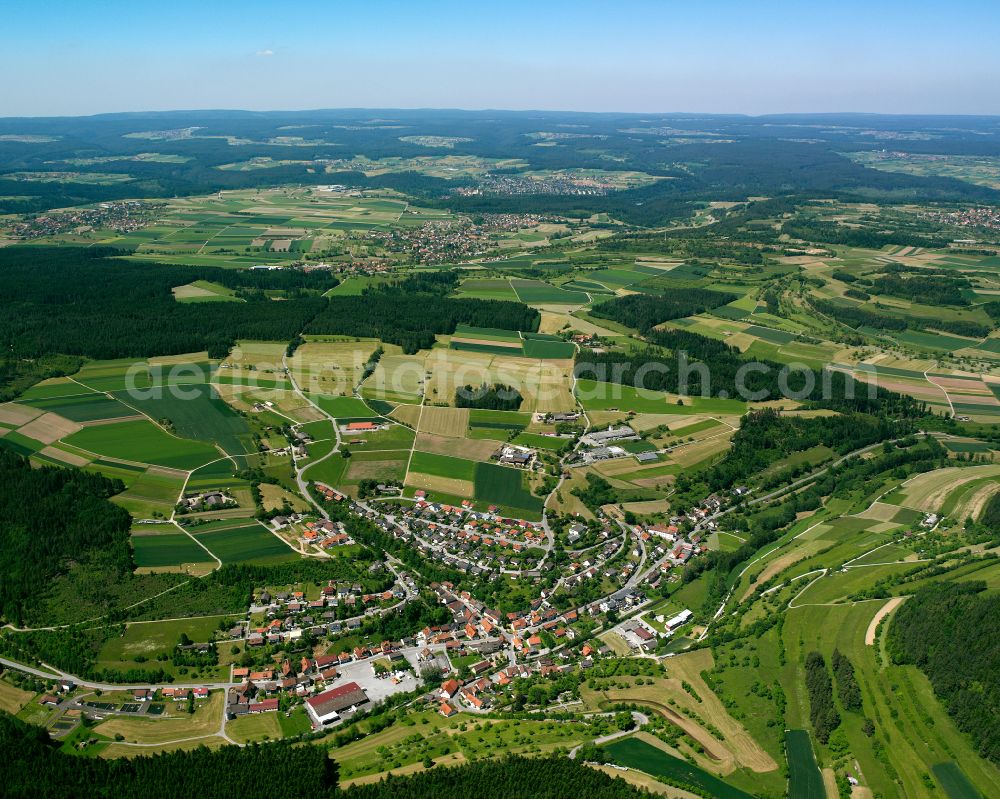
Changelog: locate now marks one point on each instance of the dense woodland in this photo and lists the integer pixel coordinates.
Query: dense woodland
(33, 767)
(929, 290)
(870, 316)
(51, 516)
(412, 312)
(75, 301)
(766, 436)
(951, 630)
(645, 311)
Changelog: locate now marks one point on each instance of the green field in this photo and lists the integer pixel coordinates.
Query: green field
(344, 407)
(954, 781)
(597, 396)
(166, 549)
(504, 486)
(143, 442)
(640, 755)
(247, 544)
(538, 292)
(196, 412)
(536, 441)
(82, 407)
(550, 349)
(804, 778)
(443, 466)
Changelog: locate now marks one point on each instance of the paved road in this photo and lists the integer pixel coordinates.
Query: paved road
(58, 674)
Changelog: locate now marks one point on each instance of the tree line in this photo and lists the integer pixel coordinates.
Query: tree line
(727, 375)
(33, 766)
(822, 710)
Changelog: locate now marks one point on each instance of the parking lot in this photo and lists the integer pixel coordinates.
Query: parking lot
(377, 688)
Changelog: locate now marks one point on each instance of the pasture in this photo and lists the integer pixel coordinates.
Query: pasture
(443, 466)
(914, 730)
(598, 396)
(538, 292)
(81, 408)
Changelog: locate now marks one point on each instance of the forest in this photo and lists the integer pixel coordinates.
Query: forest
(949, 630)
(51, 516)
(929, 289)
(854, 316)
(33, 767)
(766, 436)
(75, 301)
(413, 311)
(645, 311)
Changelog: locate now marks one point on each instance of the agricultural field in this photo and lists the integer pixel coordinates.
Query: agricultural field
(637, 753)
(198, 414)
(142, 441)
(330, 367)
(167, 550)
(247, 543)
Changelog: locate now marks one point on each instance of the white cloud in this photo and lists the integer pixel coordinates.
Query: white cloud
(265, 53)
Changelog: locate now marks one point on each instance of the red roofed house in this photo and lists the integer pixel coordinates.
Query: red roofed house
(330, 705)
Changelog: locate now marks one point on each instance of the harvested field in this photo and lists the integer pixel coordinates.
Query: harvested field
(451, 422)
(48, 428)
(747, 751)
(448, 485)
(406, 414)
(476, 449)
(66, 457)
(880, 511)
(16, 415)
(929, 491)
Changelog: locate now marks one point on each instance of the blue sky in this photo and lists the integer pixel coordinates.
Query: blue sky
(754, 56)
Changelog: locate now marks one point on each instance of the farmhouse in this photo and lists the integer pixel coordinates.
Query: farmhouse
(331, 705)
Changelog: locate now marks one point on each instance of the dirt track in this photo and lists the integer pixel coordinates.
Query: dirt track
(884, 611)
